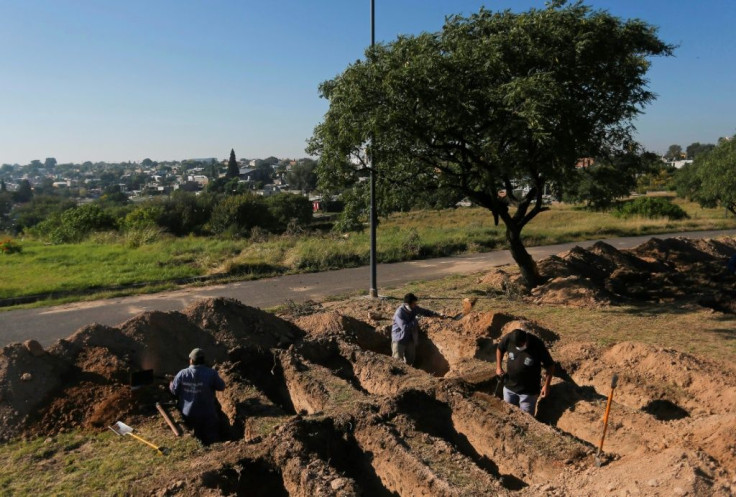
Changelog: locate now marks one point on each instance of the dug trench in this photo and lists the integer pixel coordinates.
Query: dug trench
(315, 405)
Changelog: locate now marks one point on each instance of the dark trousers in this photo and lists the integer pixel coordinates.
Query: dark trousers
(206, 428)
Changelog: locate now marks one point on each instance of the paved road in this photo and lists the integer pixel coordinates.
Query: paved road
(51, 323)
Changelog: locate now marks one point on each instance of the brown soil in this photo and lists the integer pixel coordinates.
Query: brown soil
(315, 405)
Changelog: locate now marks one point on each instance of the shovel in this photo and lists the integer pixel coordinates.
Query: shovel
(121, 429)
(598, 459)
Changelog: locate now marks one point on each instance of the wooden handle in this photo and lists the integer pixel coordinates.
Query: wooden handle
(608, 410)
(168, 419)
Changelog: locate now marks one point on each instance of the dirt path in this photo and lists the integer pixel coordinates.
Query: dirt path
(52, 323)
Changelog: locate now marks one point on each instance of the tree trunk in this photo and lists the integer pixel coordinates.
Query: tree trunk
(527, 266)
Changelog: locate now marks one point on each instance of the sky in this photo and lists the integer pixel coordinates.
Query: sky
(111, 80)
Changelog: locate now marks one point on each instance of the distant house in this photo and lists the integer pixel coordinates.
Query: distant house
(246, 173)
(269, 190)
(678, 164)
(199, 179)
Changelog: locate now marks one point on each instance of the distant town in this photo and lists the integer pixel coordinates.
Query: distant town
(142, 180)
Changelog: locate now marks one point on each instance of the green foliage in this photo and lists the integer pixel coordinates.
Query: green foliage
(695, 149)
(142, 235)
(39, 208)
(183, 213)
(24, 193)
(285, 209)
(606, 180)
(711, 179)
(302, 176)
(237, 214)
(73, 225)
(10, 246)
(145, 215)
(651, 207)
(674, 152)
(492, 99)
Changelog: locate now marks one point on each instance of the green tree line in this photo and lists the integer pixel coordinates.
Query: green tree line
(60, 220)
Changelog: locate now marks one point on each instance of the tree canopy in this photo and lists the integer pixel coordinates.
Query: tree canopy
(495, 102)
(711, 179)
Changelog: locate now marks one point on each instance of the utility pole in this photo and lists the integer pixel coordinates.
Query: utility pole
(374, 284)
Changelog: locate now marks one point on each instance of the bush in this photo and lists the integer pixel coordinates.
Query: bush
(289, 209)
(651, 207)
(10, 246)
(236, 215)
(73, 225)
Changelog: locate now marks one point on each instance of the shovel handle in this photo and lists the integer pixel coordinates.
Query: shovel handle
(614, 382)
(168, 419)
(145, 442)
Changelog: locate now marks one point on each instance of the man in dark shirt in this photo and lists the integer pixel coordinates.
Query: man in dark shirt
(527, 356)
(195, 388)
(405, 329)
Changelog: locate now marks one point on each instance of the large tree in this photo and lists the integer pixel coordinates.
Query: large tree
(302, 175)
(495, 102)
(674, 152)
(711, 178)
(697, 148)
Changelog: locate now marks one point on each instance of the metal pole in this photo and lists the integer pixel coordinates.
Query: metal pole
(374, 285)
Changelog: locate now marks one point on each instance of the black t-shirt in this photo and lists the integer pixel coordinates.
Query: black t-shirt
(524, 368)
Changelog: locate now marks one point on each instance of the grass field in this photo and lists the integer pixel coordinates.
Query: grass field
(106, 265)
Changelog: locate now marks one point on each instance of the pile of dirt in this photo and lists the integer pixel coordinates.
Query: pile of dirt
(671, 270)
(234, 324)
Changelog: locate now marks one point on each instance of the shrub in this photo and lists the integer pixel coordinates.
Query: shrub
(288, 208)
(238, 214)
(651, 207)
(73, 225)
(10, 246)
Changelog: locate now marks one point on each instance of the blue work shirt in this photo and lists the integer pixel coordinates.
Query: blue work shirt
(405, 320)
(195, 387)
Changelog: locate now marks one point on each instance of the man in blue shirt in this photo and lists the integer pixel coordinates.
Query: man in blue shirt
(405, 330)
(195, 388)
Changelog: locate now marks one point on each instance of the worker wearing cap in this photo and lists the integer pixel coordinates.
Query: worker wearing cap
(195, 388)
(527, 355)
(405, 328)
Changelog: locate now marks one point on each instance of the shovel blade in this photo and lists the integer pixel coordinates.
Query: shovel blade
(121, 428)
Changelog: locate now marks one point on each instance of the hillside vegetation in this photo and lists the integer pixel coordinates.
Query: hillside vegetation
(106, 263)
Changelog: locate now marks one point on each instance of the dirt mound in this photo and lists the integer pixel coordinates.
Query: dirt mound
(683, 251)
(677, 269)
(234, 324)
(26, 379)
(334, 325)
(501, 281)
(573, 291)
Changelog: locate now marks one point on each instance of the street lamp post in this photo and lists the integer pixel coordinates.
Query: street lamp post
(374, 285)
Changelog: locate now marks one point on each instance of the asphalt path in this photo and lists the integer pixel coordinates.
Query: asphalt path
(49, 324)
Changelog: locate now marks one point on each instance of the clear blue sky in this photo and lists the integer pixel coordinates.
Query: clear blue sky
(118, 80)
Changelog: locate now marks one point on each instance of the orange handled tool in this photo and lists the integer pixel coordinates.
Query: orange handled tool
(614, 381)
